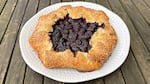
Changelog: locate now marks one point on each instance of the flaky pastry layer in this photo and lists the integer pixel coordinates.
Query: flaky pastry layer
(102, 41)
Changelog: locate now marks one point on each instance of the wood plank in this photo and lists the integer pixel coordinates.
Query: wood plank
(55, 1)
(143, 8)
(51, 81)
(78, 0)
(66, 0)
(131, 71)
(140, 50)
(6, 15)
(135, 75)
(2, 5)
(43, 4)
(8, 42)
(95, 81)
(94, 1)
(140, 24)
(32, 77)
(114, 78)
(30, 74)
(104, 3)
(147, 2)
(30, 10)
(15, 73)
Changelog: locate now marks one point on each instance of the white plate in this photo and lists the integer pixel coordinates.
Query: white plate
(70, 75)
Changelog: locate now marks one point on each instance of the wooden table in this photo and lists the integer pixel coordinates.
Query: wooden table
(14, 14)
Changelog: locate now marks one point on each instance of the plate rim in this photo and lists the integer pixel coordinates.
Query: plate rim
(40, 72)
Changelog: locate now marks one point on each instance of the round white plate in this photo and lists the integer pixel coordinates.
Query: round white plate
(70, 75)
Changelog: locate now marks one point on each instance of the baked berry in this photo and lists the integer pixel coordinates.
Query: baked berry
(73, 34)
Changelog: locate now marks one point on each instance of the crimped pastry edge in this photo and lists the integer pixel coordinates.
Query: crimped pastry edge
(102, 41)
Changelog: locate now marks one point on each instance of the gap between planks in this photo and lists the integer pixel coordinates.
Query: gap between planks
(31, 77)
(5, 17)
(134, 46)
(16, 60)
(2, 5)
(143, 9)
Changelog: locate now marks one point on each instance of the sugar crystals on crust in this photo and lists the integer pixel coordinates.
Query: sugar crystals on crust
(74, 37)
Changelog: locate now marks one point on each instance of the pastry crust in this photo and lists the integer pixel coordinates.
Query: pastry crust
(102, 41)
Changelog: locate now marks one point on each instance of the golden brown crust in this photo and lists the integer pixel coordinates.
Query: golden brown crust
(103, 40)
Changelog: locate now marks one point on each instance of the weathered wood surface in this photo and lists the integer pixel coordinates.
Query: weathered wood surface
(2, 5)
(32, 77)
(5, 16)
(143, 8)
(16, 76)
(14, 14)
(139, 47)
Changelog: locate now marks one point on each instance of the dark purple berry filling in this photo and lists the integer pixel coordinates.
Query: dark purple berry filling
(73, 34)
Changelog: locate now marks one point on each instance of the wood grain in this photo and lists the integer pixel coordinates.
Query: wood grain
(147, 2)
(2, 5)
(95, 81)
(43, 4)
(114, 78)
(51, 81)
(140, 50)
(16, 76)
(78, 0)
(55, 1)
(131, 72)
(140, 24)
(7, 45)
(31, 77)
(133, 33)
(93, 1)
(103, 3)
(143, 8)
(66, 0)
(5, 16)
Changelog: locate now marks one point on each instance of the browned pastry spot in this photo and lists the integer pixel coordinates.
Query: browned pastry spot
(50, 41)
